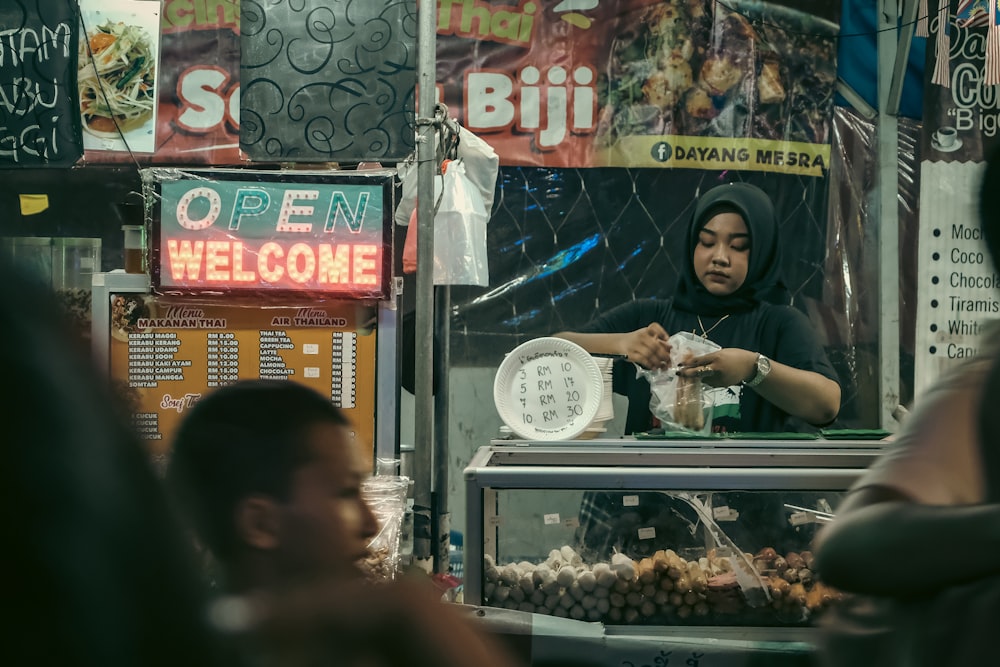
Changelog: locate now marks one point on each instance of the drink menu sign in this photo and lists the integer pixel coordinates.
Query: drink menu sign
(167, 353)
(240, 231)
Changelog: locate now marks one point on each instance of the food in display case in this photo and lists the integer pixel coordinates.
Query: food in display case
(718, 587)
(625, 532)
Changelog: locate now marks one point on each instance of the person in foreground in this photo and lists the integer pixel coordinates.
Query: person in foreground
(269, 475)
(921, 528)
(771, 370)
(98, 570)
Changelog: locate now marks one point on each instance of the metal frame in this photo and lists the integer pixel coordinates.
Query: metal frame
(680, 466)
(387, 378)
(103, 285)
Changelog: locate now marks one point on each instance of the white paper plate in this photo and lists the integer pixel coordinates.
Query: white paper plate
(548, 389)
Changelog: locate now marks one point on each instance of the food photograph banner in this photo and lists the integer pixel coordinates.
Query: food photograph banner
(119, 49)
(698, 84)
(197, 87)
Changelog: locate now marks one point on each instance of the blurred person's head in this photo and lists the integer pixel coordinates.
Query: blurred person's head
(267, 472)
(989, 206)
(97, 571)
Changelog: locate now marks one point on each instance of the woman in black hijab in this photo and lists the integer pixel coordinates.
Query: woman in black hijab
(771, 373)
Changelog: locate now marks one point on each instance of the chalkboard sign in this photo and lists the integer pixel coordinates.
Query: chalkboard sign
(327, 80)
(39, 112)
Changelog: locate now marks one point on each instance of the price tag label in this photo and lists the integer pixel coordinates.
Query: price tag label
(572, 522)
(801, 518)
(310, 348)
(647, 533)
(630, 501)
(310, 372)
(551, 519)
(725, 513)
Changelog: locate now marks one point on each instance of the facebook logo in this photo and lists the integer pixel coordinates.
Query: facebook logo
(661, 151)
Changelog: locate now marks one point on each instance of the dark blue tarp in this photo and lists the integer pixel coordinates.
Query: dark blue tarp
(857, 59)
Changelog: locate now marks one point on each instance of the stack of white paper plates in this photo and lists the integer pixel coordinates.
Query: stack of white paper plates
(548, 389)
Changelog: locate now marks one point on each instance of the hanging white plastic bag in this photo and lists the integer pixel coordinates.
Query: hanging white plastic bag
(680, 403)
(482, 166)
(459, 233)
(406, 171)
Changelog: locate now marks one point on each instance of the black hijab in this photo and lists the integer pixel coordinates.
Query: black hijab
(763, 281)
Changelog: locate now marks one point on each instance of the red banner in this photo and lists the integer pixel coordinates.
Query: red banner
(651, 83)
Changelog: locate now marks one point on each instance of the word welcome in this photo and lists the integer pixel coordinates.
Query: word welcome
(348, 265)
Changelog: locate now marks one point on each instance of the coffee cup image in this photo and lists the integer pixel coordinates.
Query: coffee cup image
(946, 139)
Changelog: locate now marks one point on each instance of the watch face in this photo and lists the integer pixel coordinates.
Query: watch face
(763, 365)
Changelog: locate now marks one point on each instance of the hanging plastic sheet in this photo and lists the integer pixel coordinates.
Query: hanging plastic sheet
(566, 244)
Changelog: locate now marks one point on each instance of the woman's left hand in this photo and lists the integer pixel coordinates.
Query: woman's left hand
(722, 368)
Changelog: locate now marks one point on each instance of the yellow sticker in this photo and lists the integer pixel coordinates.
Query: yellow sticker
(32, 204)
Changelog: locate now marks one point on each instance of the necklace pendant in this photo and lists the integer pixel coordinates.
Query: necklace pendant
(704, 331)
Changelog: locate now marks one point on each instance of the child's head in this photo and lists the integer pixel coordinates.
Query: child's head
(267, 471)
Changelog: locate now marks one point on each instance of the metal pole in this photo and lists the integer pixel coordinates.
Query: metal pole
(424, 322)
(442, 359)
(888, 216)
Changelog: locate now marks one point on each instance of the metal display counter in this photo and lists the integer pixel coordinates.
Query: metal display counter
(654, 552)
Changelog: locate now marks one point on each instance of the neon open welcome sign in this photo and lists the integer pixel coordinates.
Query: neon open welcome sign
(225, 231)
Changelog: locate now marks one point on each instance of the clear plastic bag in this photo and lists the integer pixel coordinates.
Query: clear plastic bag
(386, 495)
(681, 404)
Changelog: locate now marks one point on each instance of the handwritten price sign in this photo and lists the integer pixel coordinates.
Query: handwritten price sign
(39, 112)
(548, 389)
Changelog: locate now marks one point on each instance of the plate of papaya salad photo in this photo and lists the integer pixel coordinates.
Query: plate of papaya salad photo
(117, 84)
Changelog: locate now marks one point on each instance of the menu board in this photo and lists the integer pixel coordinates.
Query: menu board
(167, 353)
(959, 288)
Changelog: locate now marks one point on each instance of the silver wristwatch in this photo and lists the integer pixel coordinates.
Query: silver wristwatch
(763, 366)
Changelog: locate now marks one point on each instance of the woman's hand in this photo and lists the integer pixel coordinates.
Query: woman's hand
(648, 346)
(804, 394)
(722, 368)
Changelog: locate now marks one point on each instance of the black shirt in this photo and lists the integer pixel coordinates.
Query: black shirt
(781, 333)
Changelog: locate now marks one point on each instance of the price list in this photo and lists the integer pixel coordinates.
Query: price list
(180, 353)
(223, 358)
(343, 369)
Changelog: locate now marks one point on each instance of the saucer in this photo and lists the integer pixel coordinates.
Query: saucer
(936, 145)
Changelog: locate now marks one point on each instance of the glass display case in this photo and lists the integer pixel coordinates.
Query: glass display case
(650, 533)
